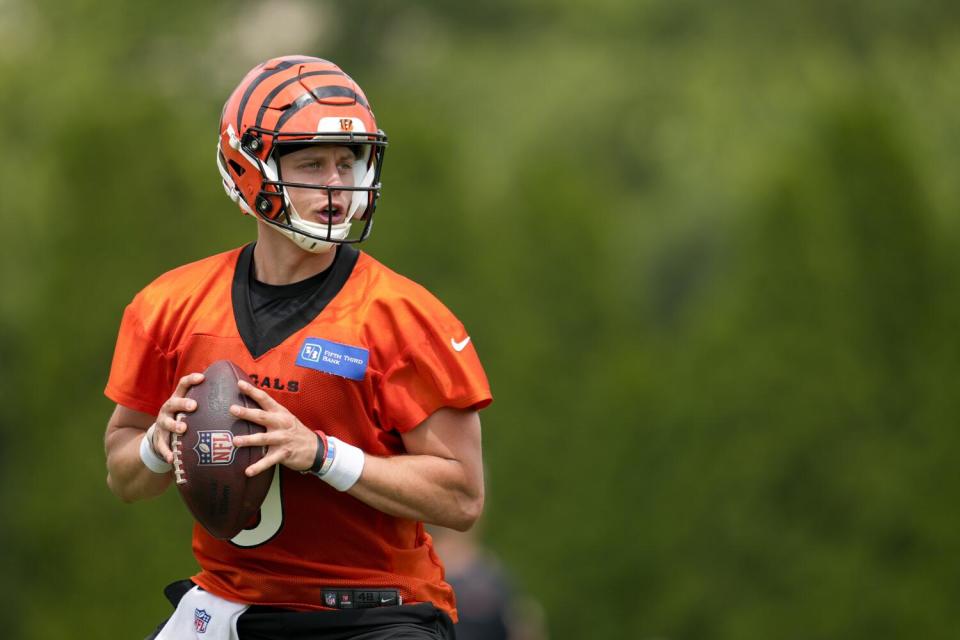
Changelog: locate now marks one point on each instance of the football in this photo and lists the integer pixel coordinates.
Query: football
(207, 467)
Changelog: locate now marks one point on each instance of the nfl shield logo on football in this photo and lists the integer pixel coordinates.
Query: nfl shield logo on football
(200, 620)
(215, 447)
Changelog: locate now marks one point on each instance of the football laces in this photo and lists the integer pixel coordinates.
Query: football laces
(176, 444)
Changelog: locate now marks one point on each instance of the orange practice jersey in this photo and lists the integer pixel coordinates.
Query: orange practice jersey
(310, 536)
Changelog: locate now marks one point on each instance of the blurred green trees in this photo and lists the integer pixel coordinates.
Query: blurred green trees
(706, 251)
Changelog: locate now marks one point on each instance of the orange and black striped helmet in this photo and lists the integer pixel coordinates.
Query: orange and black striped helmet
(295, 101)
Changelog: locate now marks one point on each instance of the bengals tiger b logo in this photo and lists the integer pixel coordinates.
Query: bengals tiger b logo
(346, 124)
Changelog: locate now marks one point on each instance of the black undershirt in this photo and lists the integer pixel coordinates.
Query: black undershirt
(273, 303)
(266, 315)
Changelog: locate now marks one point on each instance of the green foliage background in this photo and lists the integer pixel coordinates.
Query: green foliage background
(707, 252)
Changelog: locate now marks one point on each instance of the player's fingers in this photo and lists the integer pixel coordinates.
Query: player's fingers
(186, 382)
(272, 458)
(173, 422)
(168, 424)
(267, 419)
(265, 439)
(177, 404)
(161, 444)
(259, 396)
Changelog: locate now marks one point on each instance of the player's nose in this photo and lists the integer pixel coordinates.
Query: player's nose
(333, 178)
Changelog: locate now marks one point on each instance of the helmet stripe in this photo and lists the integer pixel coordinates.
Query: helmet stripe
(317, 94)
(286, 83)
(259, 79)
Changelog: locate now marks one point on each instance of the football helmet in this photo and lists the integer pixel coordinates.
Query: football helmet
(287, 103)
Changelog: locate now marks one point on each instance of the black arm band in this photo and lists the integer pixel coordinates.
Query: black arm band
(321, 455)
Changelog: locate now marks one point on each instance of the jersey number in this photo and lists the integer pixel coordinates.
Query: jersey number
(271, 518)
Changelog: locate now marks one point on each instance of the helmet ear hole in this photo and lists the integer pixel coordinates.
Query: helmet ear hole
(239, 170)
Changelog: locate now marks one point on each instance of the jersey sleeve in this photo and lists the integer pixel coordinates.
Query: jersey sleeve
(141, 376)
(436, 370)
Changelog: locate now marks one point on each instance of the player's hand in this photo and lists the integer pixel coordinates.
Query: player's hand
(289, 442)
(167, 422)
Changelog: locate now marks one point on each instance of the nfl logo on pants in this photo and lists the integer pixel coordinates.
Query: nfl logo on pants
(200, 620)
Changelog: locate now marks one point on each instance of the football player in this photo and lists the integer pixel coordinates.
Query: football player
(368, 387)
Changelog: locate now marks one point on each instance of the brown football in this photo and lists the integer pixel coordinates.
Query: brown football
(208, 469)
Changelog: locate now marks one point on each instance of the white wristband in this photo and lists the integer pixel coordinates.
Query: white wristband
(149, 456)
(346, 465)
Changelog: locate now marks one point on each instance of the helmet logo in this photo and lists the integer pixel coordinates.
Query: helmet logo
(343, 126)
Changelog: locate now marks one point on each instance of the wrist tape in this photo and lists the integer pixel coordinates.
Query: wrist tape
(342, 464)
(148, 455)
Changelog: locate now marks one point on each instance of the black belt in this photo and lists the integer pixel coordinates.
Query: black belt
(333, 597)
(337, 598)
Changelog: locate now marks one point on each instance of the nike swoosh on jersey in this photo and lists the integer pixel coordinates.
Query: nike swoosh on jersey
(459, 346)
